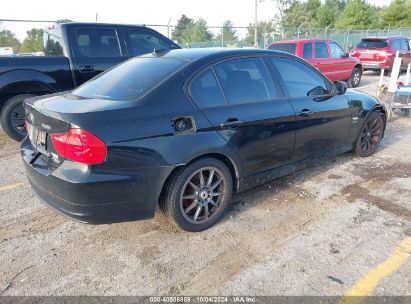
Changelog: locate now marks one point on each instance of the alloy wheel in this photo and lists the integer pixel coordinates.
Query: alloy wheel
(202, 195)
(17, 118)
(371, 135)
(356, 78)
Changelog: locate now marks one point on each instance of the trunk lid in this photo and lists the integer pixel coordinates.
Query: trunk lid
(52, 114)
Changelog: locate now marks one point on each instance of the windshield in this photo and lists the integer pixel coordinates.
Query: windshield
(284, 47)
(130, 80)
(372, 44)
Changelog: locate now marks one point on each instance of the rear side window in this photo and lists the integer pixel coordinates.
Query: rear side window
(98, 43)
(245, 80)
(143, 42)
(130, 80)
(308, 50)
(372, 44)
(307, 83)
(321, 50)
(53, 42)
(284, 47)
(205, 90)
(336, 50)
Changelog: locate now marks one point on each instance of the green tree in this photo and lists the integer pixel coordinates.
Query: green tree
(8, 39)
(301, 13)
(328, 12)
(196, 32)
(282, 6)
(33, 41)
(182, 24)
(228, 32)
(397, 14)
(262, 28)
(65, 20)
(358, 14)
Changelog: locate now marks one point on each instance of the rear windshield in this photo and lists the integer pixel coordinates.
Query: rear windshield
(284, 47)
(372, 44)
(130, 80)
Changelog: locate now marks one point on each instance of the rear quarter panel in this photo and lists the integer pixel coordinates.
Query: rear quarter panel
(50, 72)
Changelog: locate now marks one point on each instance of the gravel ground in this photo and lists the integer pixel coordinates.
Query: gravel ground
(315, 232)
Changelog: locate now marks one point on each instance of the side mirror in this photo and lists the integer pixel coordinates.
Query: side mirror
(339, 88)
(346, 55)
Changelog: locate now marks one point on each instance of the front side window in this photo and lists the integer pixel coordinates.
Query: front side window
(131, 79)
(336, 50)
(308, 50)
(299, 79)
(205, 90)
(245, 80)
(144, 42)
(321, 50)
(98, 43)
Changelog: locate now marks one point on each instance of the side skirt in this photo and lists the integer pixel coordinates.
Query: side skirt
(272, 174)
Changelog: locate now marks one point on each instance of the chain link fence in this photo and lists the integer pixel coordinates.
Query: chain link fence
(347, 38)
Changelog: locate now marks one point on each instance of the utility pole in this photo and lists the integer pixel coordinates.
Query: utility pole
(168, 28)
(255, 24)
(96, 16)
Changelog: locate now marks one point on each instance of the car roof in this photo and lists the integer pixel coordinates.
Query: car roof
(384, 38)
(95, 24)
(301, 40)
(216, 53)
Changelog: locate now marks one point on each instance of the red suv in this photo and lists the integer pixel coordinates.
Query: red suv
(379, 53)
(327, 56)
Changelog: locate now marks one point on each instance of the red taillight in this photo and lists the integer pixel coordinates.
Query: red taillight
(387, 53)
(80, 146)
(354, 53)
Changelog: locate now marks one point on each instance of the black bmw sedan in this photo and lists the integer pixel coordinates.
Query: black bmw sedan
(184, 129)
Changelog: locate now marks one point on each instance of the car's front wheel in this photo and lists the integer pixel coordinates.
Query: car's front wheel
(355, 78)
(370, 135)
(197, 196)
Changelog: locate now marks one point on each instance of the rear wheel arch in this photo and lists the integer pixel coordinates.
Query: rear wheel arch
(231, 165)
(359, 66)
(24, 87)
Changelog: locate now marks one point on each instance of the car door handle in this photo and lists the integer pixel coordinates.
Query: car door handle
(231, 123)
(86, 68)
(305, 113)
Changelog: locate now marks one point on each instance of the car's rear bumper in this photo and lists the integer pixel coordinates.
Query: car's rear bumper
(376, 65)
(81, 192)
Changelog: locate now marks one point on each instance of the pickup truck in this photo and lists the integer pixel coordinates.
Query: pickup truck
(74, 53)
(327, 56)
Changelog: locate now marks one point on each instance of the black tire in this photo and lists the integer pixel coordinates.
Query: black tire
(370, 134)
(12, 117)
(405, 112)
(181, 201)
(355, 79)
